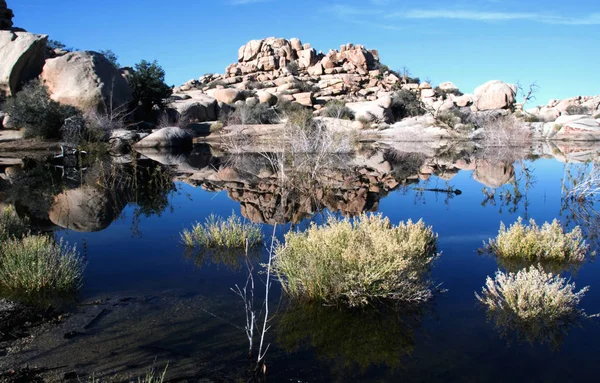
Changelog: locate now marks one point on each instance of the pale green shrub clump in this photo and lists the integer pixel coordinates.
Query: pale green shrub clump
(531, 294)
(535, 243)
(38, 265)
(11, 225)
(217, 233)
(358, 261)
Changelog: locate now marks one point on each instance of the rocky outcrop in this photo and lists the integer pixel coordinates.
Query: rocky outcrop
(22, 57)
(580, 105)
(495, 94)
(167, 138)
(193, 106)
(86, 80)
(6, 16)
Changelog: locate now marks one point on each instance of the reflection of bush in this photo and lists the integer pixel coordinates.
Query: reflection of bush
(371, 336)
(232, 259)
(533, 305)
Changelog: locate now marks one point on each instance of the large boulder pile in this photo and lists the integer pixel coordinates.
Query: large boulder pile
(580, 105)
(86, 80)
(22, 57)
(6, 16)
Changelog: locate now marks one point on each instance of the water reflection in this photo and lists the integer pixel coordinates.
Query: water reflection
(359, 338)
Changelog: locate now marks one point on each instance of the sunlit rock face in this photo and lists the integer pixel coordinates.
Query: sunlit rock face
(493, 174)
(22, 57)
(85, 209)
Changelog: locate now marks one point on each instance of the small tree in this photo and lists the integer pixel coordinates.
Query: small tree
(111, 56)
(55, 44)
(148, 86)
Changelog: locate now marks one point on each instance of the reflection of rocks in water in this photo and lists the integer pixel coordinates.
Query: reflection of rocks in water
(493, 174)
(357, 338)
(85, 209)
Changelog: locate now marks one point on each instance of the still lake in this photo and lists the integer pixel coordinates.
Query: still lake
(155, 303)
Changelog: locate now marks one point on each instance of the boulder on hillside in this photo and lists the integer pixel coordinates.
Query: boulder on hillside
(228, 95)
(86, 80)
(22, 57)
(172, 137)
(495, 94)
(193, 106)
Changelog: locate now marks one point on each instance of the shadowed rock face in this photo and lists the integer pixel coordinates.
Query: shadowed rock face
(85, 209)
(22, 57)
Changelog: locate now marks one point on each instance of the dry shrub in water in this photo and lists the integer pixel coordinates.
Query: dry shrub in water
(358, 261)
(534, 243)
(217, 233)
(537, 305)
(505, 131)
(38, 265)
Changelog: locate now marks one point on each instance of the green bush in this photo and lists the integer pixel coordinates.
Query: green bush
(111, 57)
(578, 109)
(33, 110)
(358, 261)
(35, 265)
(217, 233)
(444, 93)
(11, 225)
(539, 244)
(406, 104)
(536, 305)
(148, 86)
(338, 109)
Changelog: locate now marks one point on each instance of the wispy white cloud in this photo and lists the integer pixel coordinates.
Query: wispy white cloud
(383, 15)
(590, 19)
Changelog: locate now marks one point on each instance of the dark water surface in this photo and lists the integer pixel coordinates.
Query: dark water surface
(163, 305)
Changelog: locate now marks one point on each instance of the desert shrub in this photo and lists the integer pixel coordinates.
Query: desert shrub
(597, 116)
(293, 68)
(338, 109)
(34, 110)
(578, 109)
(257, 114)
(216, 126)
(218, 233)
(305, 86)
(406, 104)
(148, 86)
(255, 85)
(357, 261)
(38, 265)
(534, 243)
(216, 83)
(539, 306)
(55, 44)
(503, 131)
(448, 118)
(528, 117)
(444, 93)
(11, 225)
(111, 57)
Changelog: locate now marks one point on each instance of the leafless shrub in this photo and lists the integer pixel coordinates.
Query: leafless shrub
(506, 131)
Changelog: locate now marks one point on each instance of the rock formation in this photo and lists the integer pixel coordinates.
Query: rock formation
(22, 57)
(86, 80)
(580, 105)
(6, 16)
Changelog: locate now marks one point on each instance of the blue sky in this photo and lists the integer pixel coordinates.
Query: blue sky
(552, 42)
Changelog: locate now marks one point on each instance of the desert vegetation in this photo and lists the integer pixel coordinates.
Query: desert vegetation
(11, 225)
(223, 234)
(539, 306)
(406, 104)
(533, 243)
(36, 265)
(358, 261)
(338, 109)
(148, 87)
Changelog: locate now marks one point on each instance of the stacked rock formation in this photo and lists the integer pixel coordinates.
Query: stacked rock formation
(276, 69)
(6, 16)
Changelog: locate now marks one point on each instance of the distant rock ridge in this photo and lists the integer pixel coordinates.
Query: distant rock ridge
(6, 16)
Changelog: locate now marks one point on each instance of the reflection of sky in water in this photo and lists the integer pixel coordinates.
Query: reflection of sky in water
(453, 341)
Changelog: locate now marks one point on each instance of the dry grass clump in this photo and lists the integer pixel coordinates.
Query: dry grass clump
(539, 306)
(358, 261)
(11, 225)
(218, 233)
(534, 243)
(35, 265)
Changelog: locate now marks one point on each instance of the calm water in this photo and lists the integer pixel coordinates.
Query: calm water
(163, 305)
